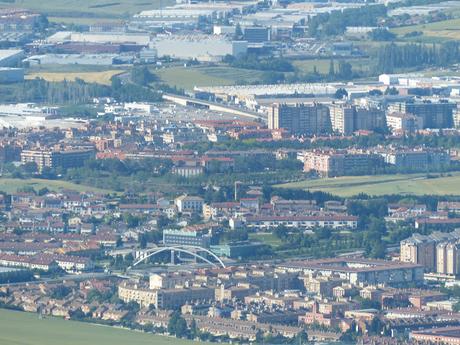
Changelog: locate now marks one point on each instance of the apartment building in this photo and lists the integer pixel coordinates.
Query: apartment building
(335, 221)
(418, 159)
(340, 163)
(300, 119)
(53, 159)
(402, 122)
(347, 118)
(438, 252)
(200, 235)
(129, 292)
(448, 258)
(433, 114)
(186, 203)
(163, 298)
(342, 118)
(419, 249)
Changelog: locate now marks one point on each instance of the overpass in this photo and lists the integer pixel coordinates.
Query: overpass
(198, 103)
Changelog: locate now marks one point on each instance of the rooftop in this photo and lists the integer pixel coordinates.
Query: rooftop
(349, 265)
(5, 53)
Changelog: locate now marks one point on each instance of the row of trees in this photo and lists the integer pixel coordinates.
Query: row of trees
(251, 61)
(16, 276)
(75, 92)
(392, 57)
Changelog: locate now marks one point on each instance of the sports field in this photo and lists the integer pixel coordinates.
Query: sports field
(90, 77)
(11, 185)
(416, 184)
(19, 328)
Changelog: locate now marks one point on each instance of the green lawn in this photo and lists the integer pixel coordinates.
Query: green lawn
(19, 328)
(416, 184)
(11, 185)
(188, 77)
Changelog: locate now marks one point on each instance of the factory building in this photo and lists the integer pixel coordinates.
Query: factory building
(142, 39)
(10, 57)
(200, 47)
(256, 34)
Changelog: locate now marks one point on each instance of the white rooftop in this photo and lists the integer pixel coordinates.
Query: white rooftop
(5, 53)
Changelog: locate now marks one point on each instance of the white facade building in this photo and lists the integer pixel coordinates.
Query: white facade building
(200, 47)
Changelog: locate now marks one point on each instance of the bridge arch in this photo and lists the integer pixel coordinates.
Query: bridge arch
(183, 249)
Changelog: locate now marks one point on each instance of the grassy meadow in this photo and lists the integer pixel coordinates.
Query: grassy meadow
(415, 184)
(19, 328)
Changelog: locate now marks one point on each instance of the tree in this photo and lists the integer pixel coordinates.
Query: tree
(43, 191)
(143, 241)
(341, 93)
(322, 233)
(301, 337)
(181, 328)
(456, 307)
(177, 325)
(345, 70)
(281, 232)
(391, 91)
(194, 332)
(381, 35)
(375, 92)
(376, 326)
(259, 336)
(238, 32)
(60, 292)
(331, 68)
(142, 76)
(172, 323)
(30, 167)
(378, 250)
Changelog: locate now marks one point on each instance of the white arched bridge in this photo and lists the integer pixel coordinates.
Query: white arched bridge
(195, 251)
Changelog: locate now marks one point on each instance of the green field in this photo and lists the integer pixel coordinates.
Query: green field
(446, 29)
(19, 328)
(322, 65)
(84, 10)
(11, 185)
(188, 77)
(416, 184)
(266, 238)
